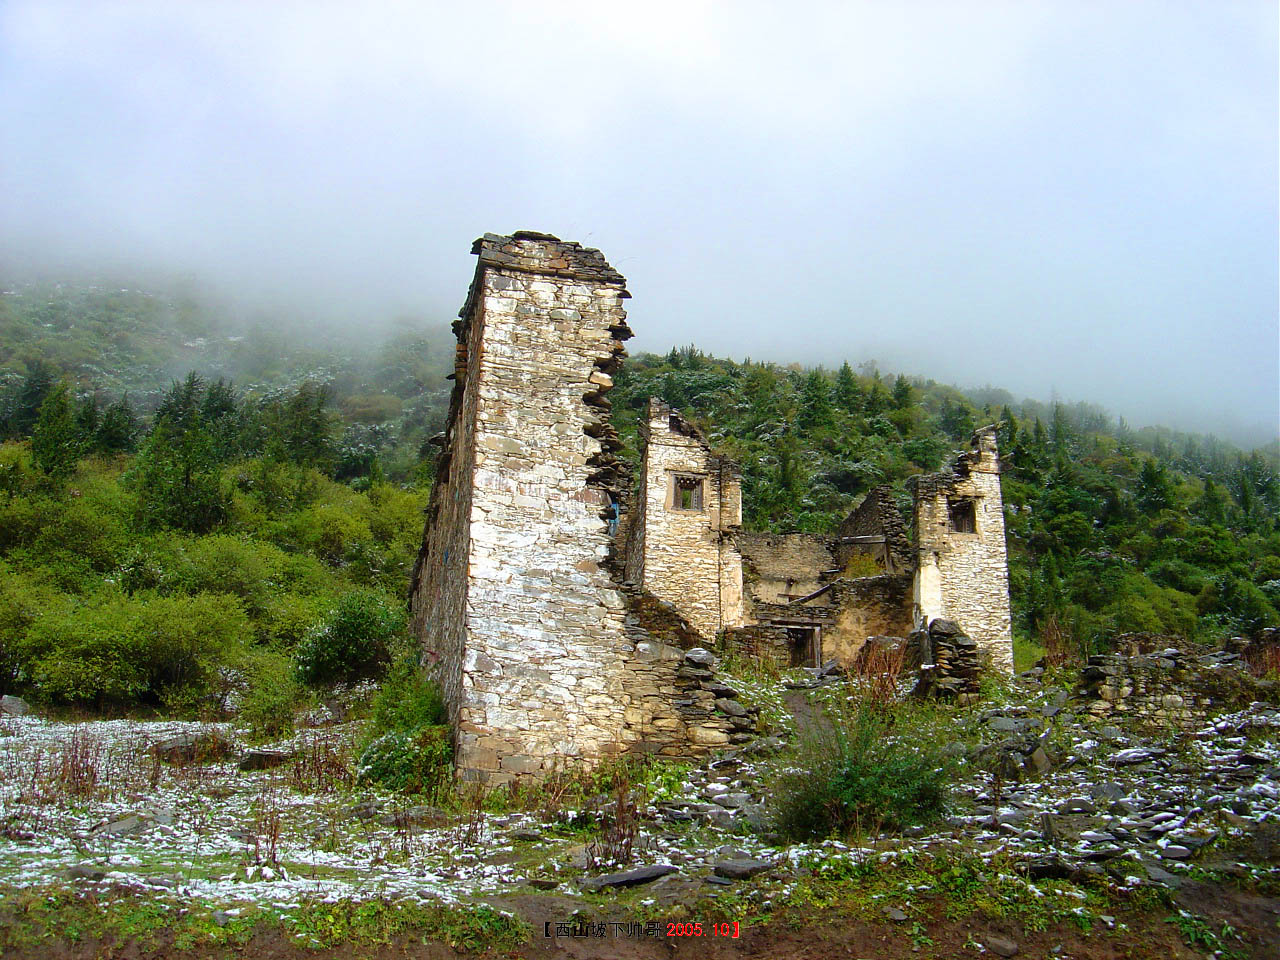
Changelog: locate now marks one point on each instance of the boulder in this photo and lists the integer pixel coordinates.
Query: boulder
(180, 749)
(126, 826)
(628, 878)
(14, 706)
(741, 868)
(700, 657)
(1001, 946)
(264, 759)
(81, 872)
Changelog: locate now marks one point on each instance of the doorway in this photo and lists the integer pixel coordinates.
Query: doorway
(805, 645)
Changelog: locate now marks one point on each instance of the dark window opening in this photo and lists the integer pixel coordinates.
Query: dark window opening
(964, 517)
(673, 423)
(688, 493)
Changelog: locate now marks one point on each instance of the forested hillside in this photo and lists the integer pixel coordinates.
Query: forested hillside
(195, 510)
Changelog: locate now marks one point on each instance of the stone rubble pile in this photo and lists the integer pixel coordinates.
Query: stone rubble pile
(1077, 797)
(725, 792)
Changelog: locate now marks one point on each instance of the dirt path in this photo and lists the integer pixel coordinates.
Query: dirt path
(810, 720)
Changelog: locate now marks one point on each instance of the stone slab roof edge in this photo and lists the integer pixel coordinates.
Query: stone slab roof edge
(656, 408)
(562, 259)
(528, 251)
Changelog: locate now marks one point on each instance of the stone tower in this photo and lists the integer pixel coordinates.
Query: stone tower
(962, 570)
(680, 545)
(514, 596)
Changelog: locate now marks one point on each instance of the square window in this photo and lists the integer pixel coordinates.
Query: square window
(687, 494)
(963, 515)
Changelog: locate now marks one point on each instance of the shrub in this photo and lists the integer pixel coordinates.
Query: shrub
(1237, 604)
(418, 761)
(408, 744)
(273, 696)
(407, 699)
(289, 617)
(22, 601)
(353, 642)
(17, 472)
(329, 530)
(249, 569)
(136, 648)
(857, 775)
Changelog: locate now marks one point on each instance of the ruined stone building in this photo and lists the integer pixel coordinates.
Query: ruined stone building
(962, 571)
(532, 592)
(804, 598)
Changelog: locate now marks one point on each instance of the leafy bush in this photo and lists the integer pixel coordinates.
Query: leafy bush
(406, 700)
(288, 617)
(418, 761)
(118, 648)
(858, 776)
(273, 696)
(251, 570)
(330, 530)
(17, 472)
(353, 641)
(21, 604)
(408, 745)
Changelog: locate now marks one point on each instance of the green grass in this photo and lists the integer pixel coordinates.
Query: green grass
(57, 914)
(1026, 653)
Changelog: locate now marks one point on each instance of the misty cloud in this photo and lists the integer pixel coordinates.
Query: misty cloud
(1041, 196)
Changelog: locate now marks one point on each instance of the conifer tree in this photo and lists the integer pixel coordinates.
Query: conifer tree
(815, 400)
(55, 441)
(848, 394)
(901, 392)
(117, 427)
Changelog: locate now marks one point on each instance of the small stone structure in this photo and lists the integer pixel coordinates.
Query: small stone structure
(680, 544)
(949, 665)
(962, 570)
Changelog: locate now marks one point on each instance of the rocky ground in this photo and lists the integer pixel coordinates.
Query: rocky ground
(1061, 821)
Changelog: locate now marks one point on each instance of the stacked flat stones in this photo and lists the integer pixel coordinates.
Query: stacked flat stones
(951, 666)
(706, 702)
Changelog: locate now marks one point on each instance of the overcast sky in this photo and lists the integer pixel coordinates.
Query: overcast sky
(1075, 196)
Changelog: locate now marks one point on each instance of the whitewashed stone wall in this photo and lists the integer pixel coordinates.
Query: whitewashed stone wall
(687, 557)
(964, 577)
(518, 615)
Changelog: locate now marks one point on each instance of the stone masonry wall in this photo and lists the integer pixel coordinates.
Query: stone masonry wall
(964, 576)
(783, 563)
(762, 641)
(1168, 687)
(438, 590)
(687, 556)
(866, 607)
(876, 516)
